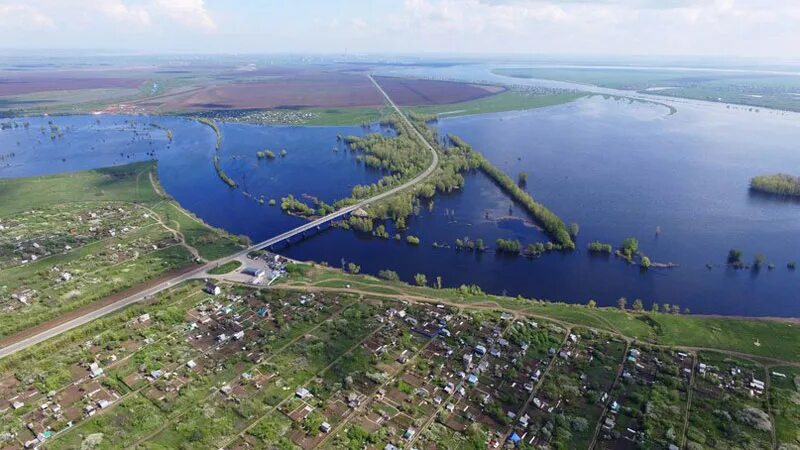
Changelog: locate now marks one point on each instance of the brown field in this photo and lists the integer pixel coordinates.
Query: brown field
(18, 85)
(413, 92)
(315, 89)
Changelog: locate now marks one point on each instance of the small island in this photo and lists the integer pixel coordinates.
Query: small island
(779, 184)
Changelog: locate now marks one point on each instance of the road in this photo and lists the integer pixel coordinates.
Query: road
(201, 270)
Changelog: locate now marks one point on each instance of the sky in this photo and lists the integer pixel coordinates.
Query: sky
(746, 28)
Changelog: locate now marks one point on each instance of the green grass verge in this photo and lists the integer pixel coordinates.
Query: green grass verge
(228, 267)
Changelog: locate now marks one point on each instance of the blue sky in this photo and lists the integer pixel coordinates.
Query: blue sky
(759, 28)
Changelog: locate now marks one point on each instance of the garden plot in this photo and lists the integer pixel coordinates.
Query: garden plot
(568, 406)
(47, 288)
(433, 379)
(34, 234)
(729, 405)
(784, 396)
(648, 407)
(283, 374)
(147, 356)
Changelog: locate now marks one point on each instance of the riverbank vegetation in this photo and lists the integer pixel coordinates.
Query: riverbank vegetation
(550, 222)
(600, 247)
(292, 205)
(213, 125)
(265, 154)
(222, 175)
(778, 184)
(403, 156)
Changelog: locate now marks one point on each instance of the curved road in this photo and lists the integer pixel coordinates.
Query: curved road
(198, 272)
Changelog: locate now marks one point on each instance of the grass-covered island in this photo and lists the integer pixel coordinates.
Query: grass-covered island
(778, 184)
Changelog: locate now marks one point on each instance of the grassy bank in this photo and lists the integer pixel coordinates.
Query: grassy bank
(511, 100)
(751, 336)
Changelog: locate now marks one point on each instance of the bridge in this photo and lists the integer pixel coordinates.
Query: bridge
(199, 272)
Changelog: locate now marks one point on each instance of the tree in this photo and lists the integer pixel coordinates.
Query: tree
(638, 306)
(574, 229)
(629, 247)
(686, 311)
(522, 179)
(676, 309)
(438, 282)
(592, 304)
(654, 308)
(665, 308)
(645, 264)
(622, 302)
(735, 257)
(421, 279)
(758, 262)
(388, 275)
(353, 268)
(479, 245)
(413, 240)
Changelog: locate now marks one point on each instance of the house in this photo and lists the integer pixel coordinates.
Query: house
(191, 364)
(66, 276)
(156, 374)
(103, 404)
(144, 318)
(514, 438)
(325, 427)
(409, 433)
(262, 312)
(95, 370)
(213, 289)
(238, 335)
(254, 272)
(17, 404)
(472, 379)
(302, 392)
(480, 350)
(222, 337)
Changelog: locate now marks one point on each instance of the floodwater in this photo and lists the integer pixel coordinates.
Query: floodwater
(616, 168)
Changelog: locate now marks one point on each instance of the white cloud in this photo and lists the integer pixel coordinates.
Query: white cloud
(24, 17)
(191, 13)
(118, 11)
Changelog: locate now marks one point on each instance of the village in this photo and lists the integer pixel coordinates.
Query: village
(226, 365)
(59, 258)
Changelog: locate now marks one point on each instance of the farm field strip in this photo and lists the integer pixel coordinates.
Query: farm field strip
(729, 404)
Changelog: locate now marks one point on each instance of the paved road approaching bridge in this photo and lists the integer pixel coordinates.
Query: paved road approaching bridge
(26, 342)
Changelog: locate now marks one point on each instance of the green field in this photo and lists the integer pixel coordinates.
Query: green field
(511, 100)
(752, 89)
